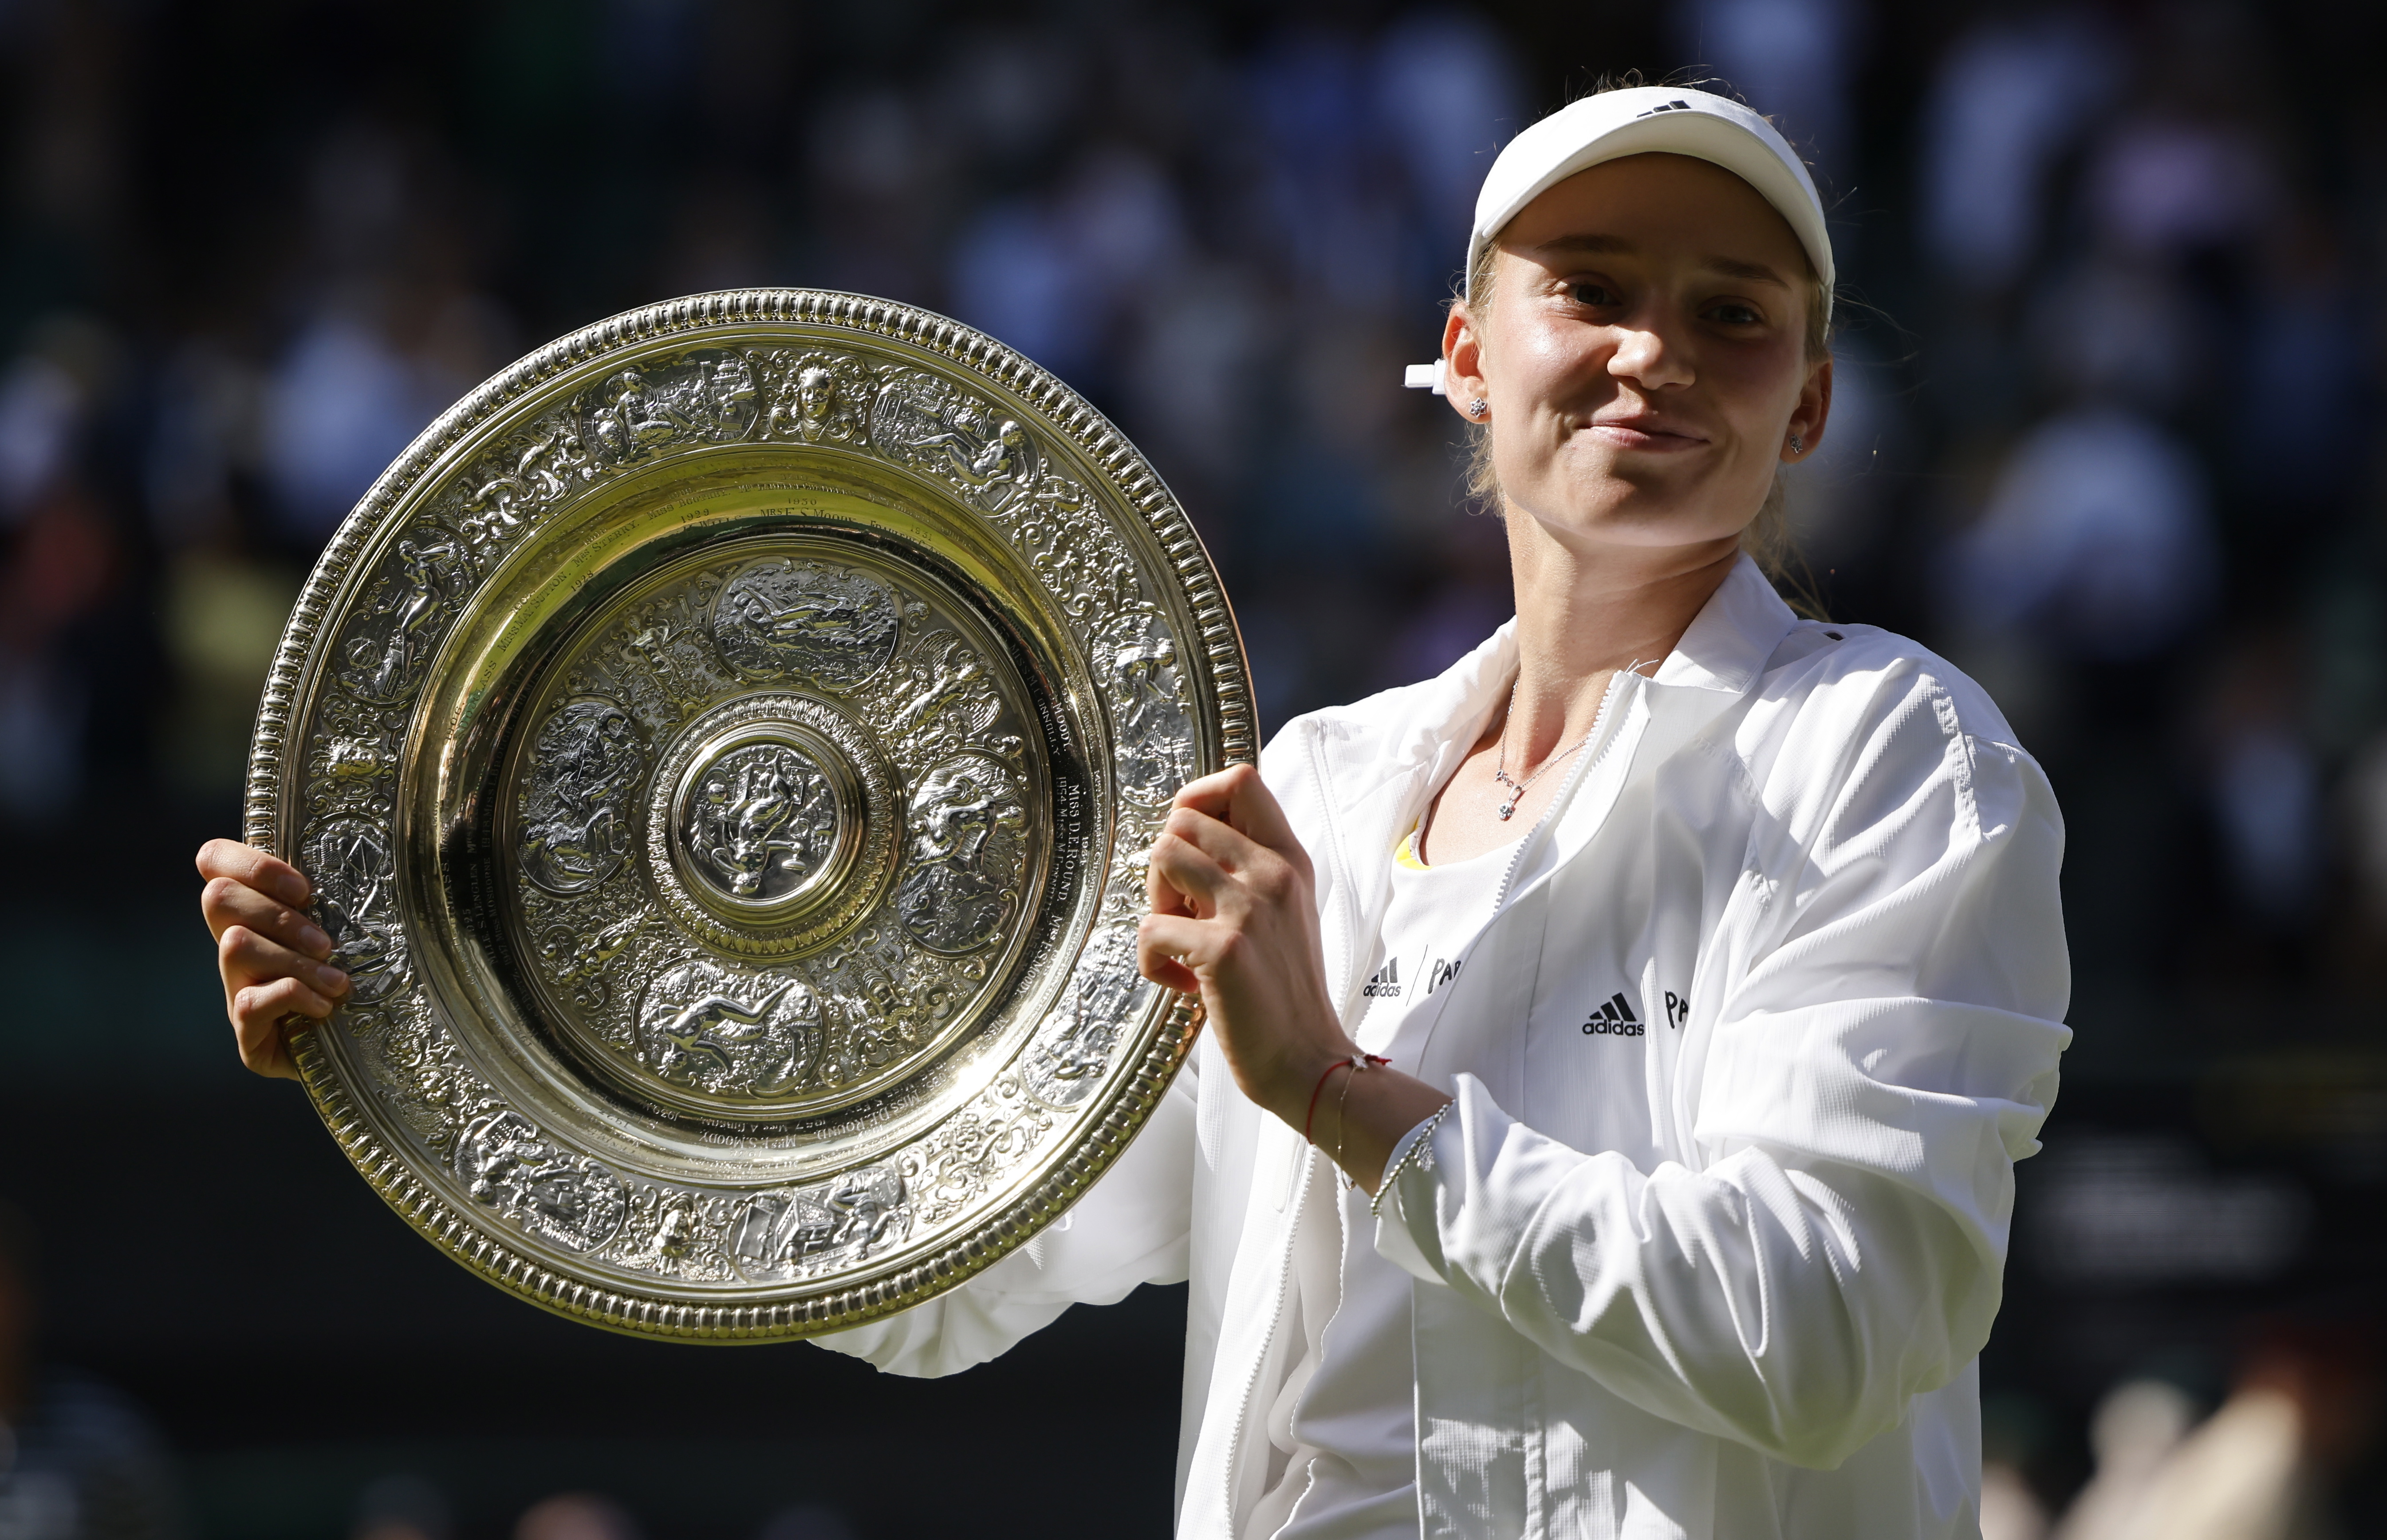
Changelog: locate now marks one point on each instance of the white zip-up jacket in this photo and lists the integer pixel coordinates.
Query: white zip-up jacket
(1727, 1278)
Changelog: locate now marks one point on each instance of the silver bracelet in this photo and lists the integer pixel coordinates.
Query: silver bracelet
(1393, 1173)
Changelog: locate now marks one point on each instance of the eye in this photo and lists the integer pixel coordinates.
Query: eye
(1591, 292)
(1732, 313)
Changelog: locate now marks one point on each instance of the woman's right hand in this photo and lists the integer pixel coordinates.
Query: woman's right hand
(269, 953)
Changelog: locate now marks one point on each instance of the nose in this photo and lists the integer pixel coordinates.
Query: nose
(1646, 356)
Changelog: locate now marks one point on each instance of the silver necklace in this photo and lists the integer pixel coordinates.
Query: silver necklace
(1518, 789)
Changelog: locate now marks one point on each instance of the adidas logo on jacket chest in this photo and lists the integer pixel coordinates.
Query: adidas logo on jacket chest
(1614, 1016)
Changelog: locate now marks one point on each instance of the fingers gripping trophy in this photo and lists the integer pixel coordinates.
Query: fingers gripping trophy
(756, 815)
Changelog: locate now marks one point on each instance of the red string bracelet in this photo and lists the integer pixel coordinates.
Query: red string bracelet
(1355, 1062)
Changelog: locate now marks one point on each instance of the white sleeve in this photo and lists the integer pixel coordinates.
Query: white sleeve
(1132, 1226)
(1874, 1073)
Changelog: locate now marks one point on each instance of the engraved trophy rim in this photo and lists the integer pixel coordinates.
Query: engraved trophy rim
(801, 1230)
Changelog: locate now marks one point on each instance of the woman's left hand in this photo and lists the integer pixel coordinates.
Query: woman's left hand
(1234, 918)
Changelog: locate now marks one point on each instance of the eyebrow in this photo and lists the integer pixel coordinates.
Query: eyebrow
(1602, 246)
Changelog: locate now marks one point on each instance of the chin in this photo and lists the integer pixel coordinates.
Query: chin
(1617, 511)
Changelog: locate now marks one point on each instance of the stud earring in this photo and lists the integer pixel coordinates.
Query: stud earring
(1478, 407)
(1798, 445)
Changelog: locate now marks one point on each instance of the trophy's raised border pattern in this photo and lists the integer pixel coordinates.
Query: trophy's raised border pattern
(1123, 472)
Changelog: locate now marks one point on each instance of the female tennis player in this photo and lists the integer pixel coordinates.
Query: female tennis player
(1618, 1048)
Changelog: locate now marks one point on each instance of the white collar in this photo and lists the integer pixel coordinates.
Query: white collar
(1420, 727)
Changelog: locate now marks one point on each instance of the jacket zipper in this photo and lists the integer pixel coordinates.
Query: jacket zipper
(1233, 1463)
(1345, 897)
(1347, 902)
(1230, 1468)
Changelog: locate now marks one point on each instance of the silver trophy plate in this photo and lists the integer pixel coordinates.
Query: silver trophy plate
(725, 746)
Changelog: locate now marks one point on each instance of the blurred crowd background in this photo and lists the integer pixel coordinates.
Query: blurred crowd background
(2108, 385)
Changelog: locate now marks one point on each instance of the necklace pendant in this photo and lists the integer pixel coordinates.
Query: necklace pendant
(1508, 810)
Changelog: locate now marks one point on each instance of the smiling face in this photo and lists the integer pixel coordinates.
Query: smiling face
(1643, 350)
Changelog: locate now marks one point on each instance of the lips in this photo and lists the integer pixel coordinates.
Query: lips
(1642, 432)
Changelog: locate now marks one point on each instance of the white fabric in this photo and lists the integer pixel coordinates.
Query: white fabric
(1725, 1278)
(1342, 1424)
(1610, 125)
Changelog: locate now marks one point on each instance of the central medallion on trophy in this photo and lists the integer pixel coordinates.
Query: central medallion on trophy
(758, 822)
(772, 821)
(765, 818)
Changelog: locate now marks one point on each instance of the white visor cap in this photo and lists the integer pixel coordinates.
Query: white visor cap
(1641, 121)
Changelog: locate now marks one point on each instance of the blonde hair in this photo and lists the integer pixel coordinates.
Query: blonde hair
(1767, 538)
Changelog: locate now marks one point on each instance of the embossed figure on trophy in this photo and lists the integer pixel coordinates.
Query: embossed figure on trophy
(955, 701)
(1075, 1042)
(988, 456)
(790, 1234)
(1070, 1055)
(807, 405)
(759, 821)
(1003, 456)
(725, 389)
(506, 1164)
(355, 759)
(724, 1032)
(676, 1227)
(712, 1027)
(637, 418)
(874, 1016)
(668, 665)
(430, 575)
(1155, 733)
(962, 872)
(652, 644)
(350, 860)
(573, 954)
(867, 1205)
(836, 625)
(575, 826)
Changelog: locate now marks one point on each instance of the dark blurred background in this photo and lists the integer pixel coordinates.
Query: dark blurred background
(2108, 382)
